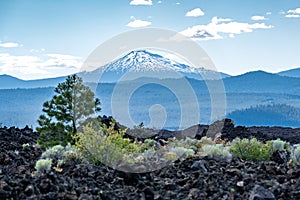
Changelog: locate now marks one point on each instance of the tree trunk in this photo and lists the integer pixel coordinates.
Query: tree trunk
(74, 126)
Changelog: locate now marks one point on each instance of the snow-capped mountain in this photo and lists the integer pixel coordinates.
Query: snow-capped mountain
(145, 61)
(142, 61)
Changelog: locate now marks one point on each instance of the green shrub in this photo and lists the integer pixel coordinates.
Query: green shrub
(70, 152)
(189, 143)
(149, 153)
(170, 156)
(182, 152)
(278, 145)
(43, 165)
(102, 144)
(295, 155)
(55, 152)
(53, 134)
(25, 145)
(60, 154)
(218, 151)
(250, 149)
(206, 140)
(151, 143)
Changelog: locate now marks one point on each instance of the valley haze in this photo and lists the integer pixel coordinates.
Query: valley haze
(21, 101)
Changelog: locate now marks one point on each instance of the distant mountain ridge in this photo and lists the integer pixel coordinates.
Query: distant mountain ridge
(261, 81)
(291, 73)
(10, 82)
(257, 81)
(144, 61)
(135, 61)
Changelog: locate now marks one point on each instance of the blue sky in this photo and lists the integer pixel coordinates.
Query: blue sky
(48, 38)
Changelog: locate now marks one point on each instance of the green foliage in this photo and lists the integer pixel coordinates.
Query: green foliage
(60, 154)
(106, 145)
(170, 156)
(218, 151)
(43, 165)
(25, 145)
(150, 142)
(55, 152)
(52, 134)
(148, 154)
(206, 140)
(189, 143)
(295, 155)
(182, 152)
(72, 103)
(251, 149)
(279, 145)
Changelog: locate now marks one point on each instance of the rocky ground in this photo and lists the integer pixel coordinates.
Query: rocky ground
(193, 178)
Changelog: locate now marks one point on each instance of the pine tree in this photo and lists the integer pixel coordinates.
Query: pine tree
(72, 103)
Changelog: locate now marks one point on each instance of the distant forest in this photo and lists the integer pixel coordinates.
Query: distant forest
(276, 114)
(20, 107)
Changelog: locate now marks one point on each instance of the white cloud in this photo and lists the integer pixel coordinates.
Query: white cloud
(197, 12)
(292, 16)
(296, 11)
(268, 13)
(293, 13)
(177, 3)
(9, 44)
(141, 2)
(63, 56)
(281, 12)
(33, 67)
(37, 50)
(231, 35)
(216, 20)
(159, 2)
(258, 18)
(7, 59)
(137, 23)
(221, 26)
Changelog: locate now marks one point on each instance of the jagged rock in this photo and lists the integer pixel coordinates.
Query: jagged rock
(198, 131)
(162, 142)
(216, 128)
(261, 193)
(199, 165)
(193, 178)
(280, 157)
(240, 184)
(29, 190)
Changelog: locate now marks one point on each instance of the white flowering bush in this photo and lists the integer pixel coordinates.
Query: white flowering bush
(43, 165)
(182, 152)
(295, 155)
(278, 145)
(218, 151)
(55, 152)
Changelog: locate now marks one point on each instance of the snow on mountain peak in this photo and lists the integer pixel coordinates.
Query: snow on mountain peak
(142, 60)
